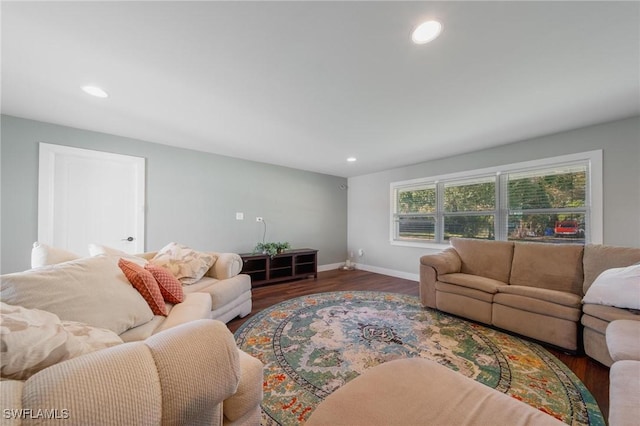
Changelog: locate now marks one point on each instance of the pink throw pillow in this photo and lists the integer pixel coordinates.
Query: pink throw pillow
(143, 281)
(170, 287)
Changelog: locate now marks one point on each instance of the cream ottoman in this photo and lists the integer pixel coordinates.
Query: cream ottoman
(417, 391)
(623, 341)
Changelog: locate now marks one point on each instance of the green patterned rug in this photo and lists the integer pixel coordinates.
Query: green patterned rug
(314, 344)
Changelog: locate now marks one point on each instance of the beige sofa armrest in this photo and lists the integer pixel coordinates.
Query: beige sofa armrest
(432, 265)
(445, 262)
(243, 407)
(226, 266)
(11, 399)
(179, 376)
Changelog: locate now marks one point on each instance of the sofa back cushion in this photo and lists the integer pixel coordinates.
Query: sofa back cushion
(489, 259)
(550, 266)
(91, 290)
(598, 258)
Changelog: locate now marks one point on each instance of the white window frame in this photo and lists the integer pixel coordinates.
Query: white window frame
(594, 196)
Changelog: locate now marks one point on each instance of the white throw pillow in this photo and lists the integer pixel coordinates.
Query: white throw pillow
(186, 264)
(97, 250)
(619, 287)
(43, 255)
(33, 340)
(91, 290)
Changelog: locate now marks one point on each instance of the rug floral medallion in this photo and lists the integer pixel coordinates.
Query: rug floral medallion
(312, 345)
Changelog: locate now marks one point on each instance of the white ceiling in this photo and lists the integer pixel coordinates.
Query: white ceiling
(308, 84)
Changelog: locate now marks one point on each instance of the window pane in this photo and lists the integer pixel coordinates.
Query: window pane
(470, 196)
(417, 228)
(469, 227)
(562, 187)
(413, 200)
(547, 228)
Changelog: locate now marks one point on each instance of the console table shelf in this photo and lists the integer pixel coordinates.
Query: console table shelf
(289, 265)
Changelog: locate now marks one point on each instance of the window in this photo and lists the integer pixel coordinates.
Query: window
(551, 200)
(469, 208)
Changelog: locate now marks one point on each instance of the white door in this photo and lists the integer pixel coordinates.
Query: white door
(87, 196)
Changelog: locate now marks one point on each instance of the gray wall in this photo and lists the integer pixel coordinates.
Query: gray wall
(192, 197)
(369, 195)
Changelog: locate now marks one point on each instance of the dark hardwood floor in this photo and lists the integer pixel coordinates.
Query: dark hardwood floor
(594, 375)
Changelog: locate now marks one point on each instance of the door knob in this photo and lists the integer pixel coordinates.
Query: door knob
(128, 239)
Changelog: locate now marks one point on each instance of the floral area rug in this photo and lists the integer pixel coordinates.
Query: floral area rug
(314, 344)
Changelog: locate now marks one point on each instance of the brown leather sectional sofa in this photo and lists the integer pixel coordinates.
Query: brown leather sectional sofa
(532, 289)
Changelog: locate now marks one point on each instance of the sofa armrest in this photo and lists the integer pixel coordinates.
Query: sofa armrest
(227, 265)
(179, 376)
(445, 262)
(432, 265)
(11, 399)
(243, 407)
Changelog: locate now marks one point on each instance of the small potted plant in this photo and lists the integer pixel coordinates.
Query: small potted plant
(280, 247)
(271, 248)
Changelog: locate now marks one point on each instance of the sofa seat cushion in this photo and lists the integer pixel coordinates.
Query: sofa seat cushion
(462, 291)
(538, 306)
(553, 296)
(194, 307)
(610, 313)
(476, 282)
(143, 331)
(551, 266)
(491, 259)
(222, 292)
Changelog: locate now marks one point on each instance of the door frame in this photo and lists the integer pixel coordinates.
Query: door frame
(49, 153)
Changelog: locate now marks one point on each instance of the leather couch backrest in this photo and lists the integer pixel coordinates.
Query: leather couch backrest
(598, 258)
(549, 266)
(486, 258)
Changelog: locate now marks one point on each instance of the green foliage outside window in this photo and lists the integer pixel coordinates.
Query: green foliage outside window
(536, 202)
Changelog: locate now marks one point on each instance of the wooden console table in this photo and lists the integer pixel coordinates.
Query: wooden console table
(289, 265)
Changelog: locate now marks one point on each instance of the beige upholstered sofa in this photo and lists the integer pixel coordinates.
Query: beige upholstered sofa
(533, 289)
(93, 290)
(190, 374)
(229, 291)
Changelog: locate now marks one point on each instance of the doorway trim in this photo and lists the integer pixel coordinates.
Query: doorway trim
(50, 153)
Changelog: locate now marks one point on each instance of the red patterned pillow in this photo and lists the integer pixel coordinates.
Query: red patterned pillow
(170, 287)
(146, 284)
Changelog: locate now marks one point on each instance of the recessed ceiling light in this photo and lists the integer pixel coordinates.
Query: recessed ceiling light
(352, 159)
(426, 32)
(95, 91)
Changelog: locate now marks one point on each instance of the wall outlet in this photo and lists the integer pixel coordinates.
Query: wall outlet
(259, 219)
(361, 252)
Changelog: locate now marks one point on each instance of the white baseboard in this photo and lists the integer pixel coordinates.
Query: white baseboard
(375, 269)
(330, 267)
